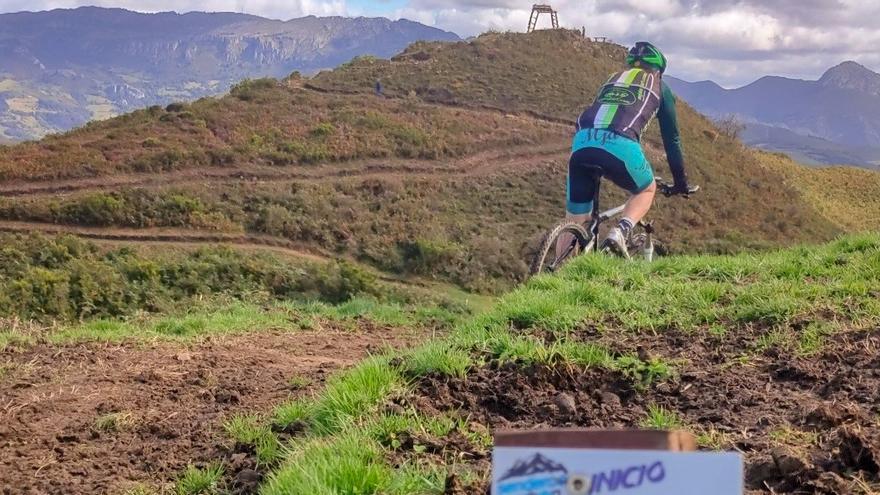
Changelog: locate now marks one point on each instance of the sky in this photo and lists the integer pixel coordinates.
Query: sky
(732, 42)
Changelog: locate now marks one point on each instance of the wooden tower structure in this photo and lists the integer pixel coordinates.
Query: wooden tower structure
(537, 10)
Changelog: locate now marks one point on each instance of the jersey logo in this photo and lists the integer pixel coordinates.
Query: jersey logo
(616, 95)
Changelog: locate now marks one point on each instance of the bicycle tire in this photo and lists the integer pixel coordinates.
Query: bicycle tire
(548, 246)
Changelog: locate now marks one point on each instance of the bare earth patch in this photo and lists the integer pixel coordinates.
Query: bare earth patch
(805, 425)
(96, 418)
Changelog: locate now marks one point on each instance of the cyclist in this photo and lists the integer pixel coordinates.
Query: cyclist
(608, 137)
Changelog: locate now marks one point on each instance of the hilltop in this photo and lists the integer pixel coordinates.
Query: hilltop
(453, 174)
(64, 67)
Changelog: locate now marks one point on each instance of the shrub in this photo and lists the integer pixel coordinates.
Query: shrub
(64, 278)
(249, 89)
(323, 129)
(426, 257)
(730, 126)
(175, 107)
(95, 209)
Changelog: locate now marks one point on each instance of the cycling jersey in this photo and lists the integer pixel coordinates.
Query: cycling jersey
(628, 102)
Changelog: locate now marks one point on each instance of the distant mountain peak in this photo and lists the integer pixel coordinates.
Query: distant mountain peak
(852, 75)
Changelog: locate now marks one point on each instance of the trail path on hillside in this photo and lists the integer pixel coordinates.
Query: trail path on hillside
(168, 236)
(481, 163)
(174, 399)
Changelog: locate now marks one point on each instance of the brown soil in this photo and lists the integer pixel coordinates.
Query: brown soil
(177, 397)
(804, 425)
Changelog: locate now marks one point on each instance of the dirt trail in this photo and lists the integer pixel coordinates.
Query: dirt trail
(481, 163)
(170, 236)
(174, 400)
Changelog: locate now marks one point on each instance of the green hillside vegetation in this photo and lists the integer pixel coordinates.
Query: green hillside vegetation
(262, 122)
(642, 336)
(64, 280)
(847, 196)
(454, 175)
(557, 73)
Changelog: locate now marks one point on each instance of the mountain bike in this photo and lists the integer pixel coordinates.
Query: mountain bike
(585, 237)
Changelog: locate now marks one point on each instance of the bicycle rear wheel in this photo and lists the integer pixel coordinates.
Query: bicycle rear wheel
(546, 261)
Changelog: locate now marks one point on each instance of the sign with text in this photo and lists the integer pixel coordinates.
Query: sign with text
(558, 471)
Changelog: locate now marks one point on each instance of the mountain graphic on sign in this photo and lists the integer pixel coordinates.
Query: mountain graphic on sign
(536, 465)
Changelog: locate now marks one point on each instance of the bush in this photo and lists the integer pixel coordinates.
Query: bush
(323, 129)
(175, 107)
(249, 89)
(64, 278)
(425, 257)
(99, 209)
(730, 126)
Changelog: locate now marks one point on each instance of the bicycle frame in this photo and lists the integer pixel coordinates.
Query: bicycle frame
(598, 218)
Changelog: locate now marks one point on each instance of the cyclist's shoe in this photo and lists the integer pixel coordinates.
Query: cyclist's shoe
(616, 242)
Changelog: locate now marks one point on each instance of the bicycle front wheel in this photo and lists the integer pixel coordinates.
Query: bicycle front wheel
(546, 259)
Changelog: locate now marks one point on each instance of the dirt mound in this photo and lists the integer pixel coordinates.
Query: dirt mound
(97, 418)
(804, 425)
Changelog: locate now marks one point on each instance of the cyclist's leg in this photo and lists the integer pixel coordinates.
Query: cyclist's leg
(580, 190)
(632, 172)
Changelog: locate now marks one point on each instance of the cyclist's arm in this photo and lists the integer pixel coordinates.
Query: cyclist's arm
(671, 138)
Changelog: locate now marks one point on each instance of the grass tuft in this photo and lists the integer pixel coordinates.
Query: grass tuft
(251, 431)
(438, 357)
(356, 393)
(115, 422)
(660, 418)
(299, 382)
(200, 481)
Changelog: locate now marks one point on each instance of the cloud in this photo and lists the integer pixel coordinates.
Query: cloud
(730, 41)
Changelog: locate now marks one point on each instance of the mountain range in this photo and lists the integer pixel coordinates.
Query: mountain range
(832, 120)
(62, 68)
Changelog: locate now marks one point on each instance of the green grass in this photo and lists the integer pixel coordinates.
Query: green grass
(787, 435)
(200, 481)
(228, 318)
(252, 431)
(813, 336)
(115, 422)
(299, 382)
(713, 439)
(357, 393)
(13, 338)
(438, 357)
(660, 418)
(348, 436)
(349, 463)
(6, 370)
(215, 316)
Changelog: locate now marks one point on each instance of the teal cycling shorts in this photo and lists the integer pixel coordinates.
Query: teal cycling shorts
(621, 159)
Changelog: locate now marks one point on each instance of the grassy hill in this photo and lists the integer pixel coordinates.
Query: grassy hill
(849, 197)
(453, 175)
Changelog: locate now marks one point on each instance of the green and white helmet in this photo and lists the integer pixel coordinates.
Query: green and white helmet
(647, 54)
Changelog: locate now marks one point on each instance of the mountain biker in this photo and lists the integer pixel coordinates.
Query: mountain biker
(608, 137)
